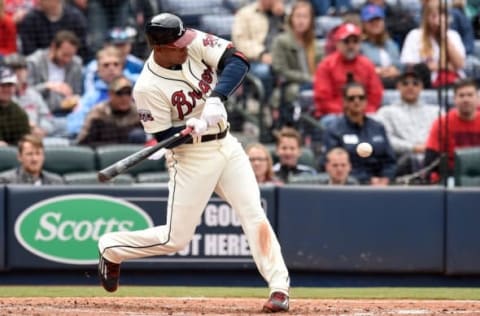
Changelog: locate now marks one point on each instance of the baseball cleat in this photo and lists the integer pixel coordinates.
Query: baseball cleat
(109, 274)
(278, 302)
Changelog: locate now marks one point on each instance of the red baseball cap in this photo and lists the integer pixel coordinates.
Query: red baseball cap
(346, 30)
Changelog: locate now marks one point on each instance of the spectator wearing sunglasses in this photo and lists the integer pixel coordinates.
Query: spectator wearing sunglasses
(408, 121)
(334, 72)
(109, 60)
(355, 127)
(114, 121)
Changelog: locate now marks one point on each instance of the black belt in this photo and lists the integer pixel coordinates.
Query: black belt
(209, 137)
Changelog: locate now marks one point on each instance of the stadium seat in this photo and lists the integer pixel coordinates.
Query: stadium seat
(91, 178)
(390, 96)
(108, 154)
(153, 177)
(67, 159)
(309, 178)
(467, 167)
(8, 157)
(324, 24)
(476, 48)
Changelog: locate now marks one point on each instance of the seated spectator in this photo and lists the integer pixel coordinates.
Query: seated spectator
(295, 56)
(56, 73)
(408, 121)
(122, 39)
(338, 167)
(459, 128)
(378, 46)
(398, 19)
(39, 26)
(355, 127)
(13, 119)
(31, 157)
(42, 122)
(262, 164)
(254, 27)
(422, 46)
(8, 32)
(343, 65)
(110, 66)
(114, 121)
(288, 148)
(353, 17)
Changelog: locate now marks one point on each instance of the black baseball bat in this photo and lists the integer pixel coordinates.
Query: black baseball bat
(126, 163)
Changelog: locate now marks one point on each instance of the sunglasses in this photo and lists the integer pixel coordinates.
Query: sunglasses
(123, 92)
(114, 64)
(351, 98)
(413, 82)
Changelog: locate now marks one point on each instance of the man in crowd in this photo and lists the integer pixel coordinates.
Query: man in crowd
(338, 167)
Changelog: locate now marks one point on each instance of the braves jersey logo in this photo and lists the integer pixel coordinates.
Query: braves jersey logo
(145, 115)
(183, 104)
(210, 40)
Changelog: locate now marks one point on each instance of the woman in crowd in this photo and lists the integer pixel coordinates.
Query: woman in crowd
(262, 164)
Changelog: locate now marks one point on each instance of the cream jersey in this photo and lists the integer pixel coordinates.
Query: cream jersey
(167, 98)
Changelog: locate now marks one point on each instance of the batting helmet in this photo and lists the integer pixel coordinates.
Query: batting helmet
(168, 29)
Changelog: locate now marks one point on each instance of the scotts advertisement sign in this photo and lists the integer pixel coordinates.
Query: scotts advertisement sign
(66, 229)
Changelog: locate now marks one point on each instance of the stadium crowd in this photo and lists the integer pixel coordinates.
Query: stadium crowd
(68, 69)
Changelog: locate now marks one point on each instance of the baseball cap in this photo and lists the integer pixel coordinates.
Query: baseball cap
(410, 70)
(121, 35)
(7, 76)
(119, 84)
(346, 30)
(370, 12)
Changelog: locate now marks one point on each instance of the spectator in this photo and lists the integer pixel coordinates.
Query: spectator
(355, 127)
(31, 157)
(110, 66)
(288, 148)
(262, 164)
(56, 73)
(295, 56)
(104, 15)
(253, 30)
(18, 9)
(333, 72)
(42, 122)
(13, 119)
(378, 46)
(122, 39)
(399, 20)
(331, 7)
(459, 128)
(8, 32)
(423, 45)
(40, 25)
(338, 167)
(408, 121)
(114, 121)
(352, 16)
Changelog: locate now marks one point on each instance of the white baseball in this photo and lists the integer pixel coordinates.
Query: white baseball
(364, 150)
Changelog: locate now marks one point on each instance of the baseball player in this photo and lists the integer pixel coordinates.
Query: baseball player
(184, 82)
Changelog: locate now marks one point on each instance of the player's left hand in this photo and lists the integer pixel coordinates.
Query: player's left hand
(214, 111)
(199, 126)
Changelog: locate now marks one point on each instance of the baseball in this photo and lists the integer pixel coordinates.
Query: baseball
(364, 150)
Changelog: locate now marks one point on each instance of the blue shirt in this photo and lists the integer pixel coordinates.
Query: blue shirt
(344, 133)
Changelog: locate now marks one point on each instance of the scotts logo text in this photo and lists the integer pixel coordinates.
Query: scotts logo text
(66, 229)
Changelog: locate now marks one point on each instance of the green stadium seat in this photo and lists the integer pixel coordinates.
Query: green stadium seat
(109, 154)
(68, 159)
(8, 157)
(467, 167)
(91, 178)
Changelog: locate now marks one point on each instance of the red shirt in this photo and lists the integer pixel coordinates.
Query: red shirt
(331, 76)
(8, 35)
(461, 133)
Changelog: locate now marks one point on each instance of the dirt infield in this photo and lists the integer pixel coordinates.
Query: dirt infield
(218, 306)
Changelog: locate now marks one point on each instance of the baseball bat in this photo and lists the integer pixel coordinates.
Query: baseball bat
(126, 163)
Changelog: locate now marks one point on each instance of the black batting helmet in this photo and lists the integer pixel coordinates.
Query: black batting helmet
(168, 29)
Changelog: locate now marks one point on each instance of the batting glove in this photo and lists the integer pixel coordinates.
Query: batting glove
(199, 126)
(213, 111)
